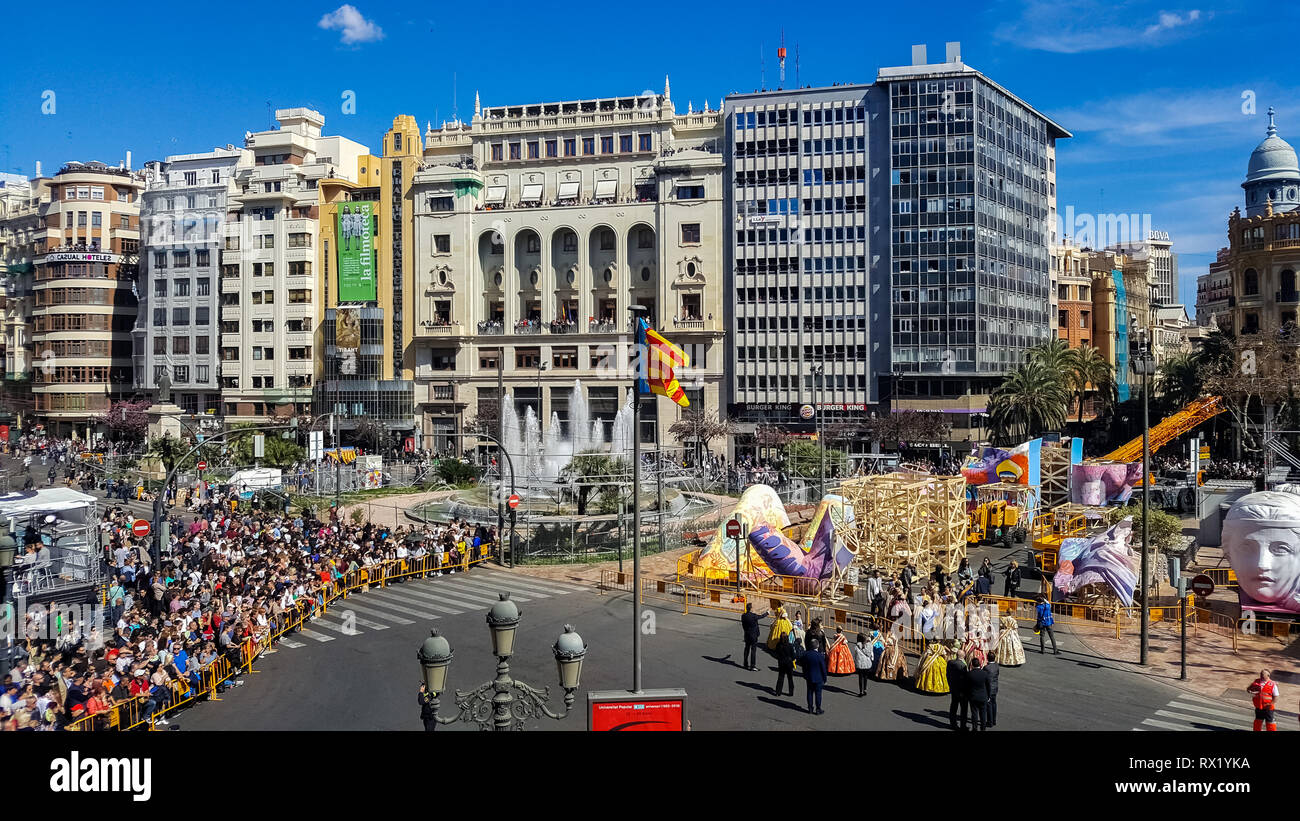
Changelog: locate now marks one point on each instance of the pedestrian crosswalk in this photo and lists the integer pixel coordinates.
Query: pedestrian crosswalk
(422, 599)
(1192, 712)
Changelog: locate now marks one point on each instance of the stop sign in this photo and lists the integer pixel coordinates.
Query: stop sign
(733, 529)
(1203, 586)
(140, 528)
(513, 501)
(203, 465)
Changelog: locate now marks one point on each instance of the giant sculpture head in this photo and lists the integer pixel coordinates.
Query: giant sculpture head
(1261, 536)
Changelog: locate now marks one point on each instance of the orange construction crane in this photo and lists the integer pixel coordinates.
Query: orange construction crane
(1169, 429)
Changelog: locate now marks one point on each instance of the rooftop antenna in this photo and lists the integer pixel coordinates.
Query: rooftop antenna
(780, 58)
(762, 68)
(796, 66)
(270, 112)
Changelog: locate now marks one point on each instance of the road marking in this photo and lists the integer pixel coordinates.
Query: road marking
(1213, 722)
(423, 601)
(374, 600)
(378, 613)
(563, 588)
(1241, 715)
(312, 634)
(337, 628)
(373, 625)
(291, 644)
(489, 594)
(438, 591)
(1166, 725)
(494, 586)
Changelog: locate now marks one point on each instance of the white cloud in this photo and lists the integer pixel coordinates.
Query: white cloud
(1077, 26)
(1172, 20)
(355, 27)
(1208, 117)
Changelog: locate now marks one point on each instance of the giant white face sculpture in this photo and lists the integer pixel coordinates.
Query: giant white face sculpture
(1261, 536)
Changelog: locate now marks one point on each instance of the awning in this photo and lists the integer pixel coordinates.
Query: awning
(532, 193)
(569, 190)
(495, 194)
(605, 189)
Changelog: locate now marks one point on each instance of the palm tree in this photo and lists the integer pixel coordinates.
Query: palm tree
(1031, 398)
(1054, 355)
(1088, 368)
(1179, 379)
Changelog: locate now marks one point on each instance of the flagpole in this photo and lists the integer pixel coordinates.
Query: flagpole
(641, 364)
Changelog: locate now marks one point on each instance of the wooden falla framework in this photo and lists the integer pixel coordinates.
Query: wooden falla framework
(899, 517)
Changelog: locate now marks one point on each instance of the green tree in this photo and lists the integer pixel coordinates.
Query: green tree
(1055, 355)
(456, 472)
(277, 451)
(1087, 368)
(595, 473)
(170, 451)
(1031, 399)
(1178, 381)
(1165, 531)
(803, 458)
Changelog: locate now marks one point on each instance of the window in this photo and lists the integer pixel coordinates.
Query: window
(551, 146)
(201, 347)
(643, 142)
(160, 287)
(1250, 285)
(487, 358)
(202, 315)
(299, 269)
(645, 238)
(442, 243)
(690, 192)
(571, 147)
(607, 240)
(159, 317)
(81, 219)
(160, 344)
(180, 344)
(97, 192)
(515, 152)
(533, 149)
(96, 219)
(570, 241)
(181, 287)
(527, 357)
(180, 316)
(588, 146)
(496, 152)
(625, 143)
(442, 203)
(181, 373)
(266, 240)
(607, 145)
(216, 175)
(690, 233)
(202, 258)
(202, 374)
(124, 222)
(564, 357)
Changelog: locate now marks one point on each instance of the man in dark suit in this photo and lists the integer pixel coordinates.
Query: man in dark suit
(785, 655)
(957, 688)
(749, 623)
(977, 691)
(993, 669)
(815, 670)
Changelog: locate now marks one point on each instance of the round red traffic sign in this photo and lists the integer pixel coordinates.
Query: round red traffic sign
(140, 528)
(733, 529)
(1203, 586)
(513, 501)
(203, 465)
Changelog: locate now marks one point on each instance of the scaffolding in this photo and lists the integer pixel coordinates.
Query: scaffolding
(1055, 461)
(902, 517)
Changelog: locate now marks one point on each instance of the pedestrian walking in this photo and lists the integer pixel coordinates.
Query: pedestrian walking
(813, 663)
(863, 659)
(785, 655)
(978, 694)
(749, 624)
(876, 594)
(993, 669)
(1264, 693)
(1043, 624)
(1012, 587)
(957, 687)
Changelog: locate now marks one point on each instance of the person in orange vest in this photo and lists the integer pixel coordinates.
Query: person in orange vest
(1264, 692)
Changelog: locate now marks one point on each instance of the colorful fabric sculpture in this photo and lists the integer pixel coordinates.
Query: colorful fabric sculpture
(1102, 559)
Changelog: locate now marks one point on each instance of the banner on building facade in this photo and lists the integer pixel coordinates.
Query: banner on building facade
(347, 338)
(356, 252)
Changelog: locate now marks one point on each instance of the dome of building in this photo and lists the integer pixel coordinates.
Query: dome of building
(1273, 159)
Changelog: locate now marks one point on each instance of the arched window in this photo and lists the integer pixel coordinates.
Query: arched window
(1250, 282)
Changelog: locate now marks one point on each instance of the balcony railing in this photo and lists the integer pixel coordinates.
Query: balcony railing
(441, 327)
(442, 393)
(528, 328)
(602, 327)
(1287, 296)
(689, 324)
(564, 327)
(491, 328)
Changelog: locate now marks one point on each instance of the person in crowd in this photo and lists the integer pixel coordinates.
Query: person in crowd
(786, 653)
(957, 672)
(813, 663)
(993, 669)
(863, 662)
(978, 694)
(1011, 589)
(932, 669)
(1264, 694)
(840, 658)
(749, 621)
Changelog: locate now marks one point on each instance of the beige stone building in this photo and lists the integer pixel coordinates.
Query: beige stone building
(536, 227)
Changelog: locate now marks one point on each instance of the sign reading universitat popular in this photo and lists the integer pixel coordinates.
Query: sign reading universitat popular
(356, 252)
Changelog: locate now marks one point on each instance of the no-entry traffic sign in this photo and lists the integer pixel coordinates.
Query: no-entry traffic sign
(513, 501)
(203, 465)
(1203, 586)
(733, 529)
(140, 528)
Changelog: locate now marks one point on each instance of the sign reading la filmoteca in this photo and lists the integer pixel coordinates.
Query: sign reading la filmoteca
(356, 252)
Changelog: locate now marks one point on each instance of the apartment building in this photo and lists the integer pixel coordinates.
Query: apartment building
(268, 299)
(1073, 283)
(183, 209)
(1212, 292)
(536, 227)
(366, 283)
(1156, 251)
(20, 223)
(84, 276)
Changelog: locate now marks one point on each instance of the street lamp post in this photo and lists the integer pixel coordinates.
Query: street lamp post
(819, 371)
(502, 703)
(637, 311)
(1145, 365)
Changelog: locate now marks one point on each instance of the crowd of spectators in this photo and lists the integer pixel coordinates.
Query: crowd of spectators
(228, 580)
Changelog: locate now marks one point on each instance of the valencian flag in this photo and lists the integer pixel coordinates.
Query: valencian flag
(661, 357)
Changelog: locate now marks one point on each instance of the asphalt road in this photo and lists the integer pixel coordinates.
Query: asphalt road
(369, 680)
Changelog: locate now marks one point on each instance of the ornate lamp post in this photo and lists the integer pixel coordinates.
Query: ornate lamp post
(503, 703)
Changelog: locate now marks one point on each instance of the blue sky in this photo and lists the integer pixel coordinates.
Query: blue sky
(1153, 91)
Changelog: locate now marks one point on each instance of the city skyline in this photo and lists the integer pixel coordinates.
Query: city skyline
(1150, 135)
